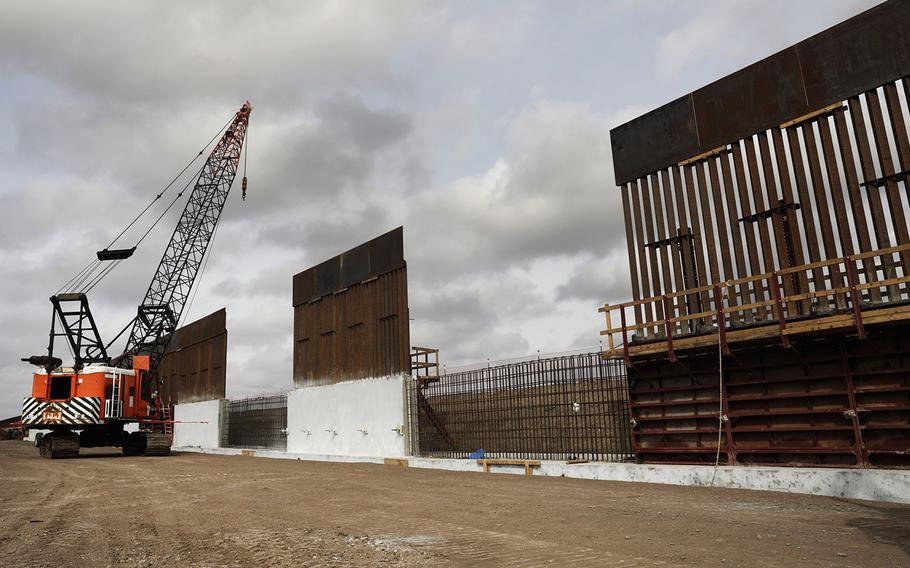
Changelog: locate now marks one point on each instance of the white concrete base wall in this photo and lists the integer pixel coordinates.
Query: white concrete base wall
(869, 484)
(365, 418)
(196, 424)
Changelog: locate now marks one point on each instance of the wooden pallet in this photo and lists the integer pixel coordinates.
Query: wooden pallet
(528, 464)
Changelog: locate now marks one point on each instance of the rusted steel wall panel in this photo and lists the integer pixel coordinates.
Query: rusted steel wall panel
(351, 315)
(857, 55)
(762, 95)
(194, 367)
(794, 192)
(663, 136)
(383, 254)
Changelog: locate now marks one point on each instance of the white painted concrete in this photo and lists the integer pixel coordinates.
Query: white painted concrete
(366, 417)
(279, 455)
(196, 424)
(868, 484)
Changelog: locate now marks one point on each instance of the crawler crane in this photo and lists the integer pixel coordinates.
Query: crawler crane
(90, 403)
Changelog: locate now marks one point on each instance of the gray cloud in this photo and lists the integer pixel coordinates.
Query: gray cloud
(598, 280)
(483, 129)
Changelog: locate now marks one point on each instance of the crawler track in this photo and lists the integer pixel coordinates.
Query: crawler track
(60, 445)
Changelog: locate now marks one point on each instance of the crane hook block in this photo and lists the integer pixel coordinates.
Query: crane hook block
(243, 186)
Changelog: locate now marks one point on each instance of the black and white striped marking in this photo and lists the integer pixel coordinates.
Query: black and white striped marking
(78, 410)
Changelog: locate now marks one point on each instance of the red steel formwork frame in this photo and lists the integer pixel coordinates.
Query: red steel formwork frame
(826, 400)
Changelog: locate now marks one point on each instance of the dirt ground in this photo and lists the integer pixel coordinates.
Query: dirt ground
(104, 509)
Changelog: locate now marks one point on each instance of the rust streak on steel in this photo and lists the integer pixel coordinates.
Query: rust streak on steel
(707, 223)
(782, 236)
(760, 205)
(672, 226)
(770, 197)
(668, 328)
(899, 131)
(853, 280)
(648, 212)
(745, 208)
(643, 262)
(886, 162)
(835, 187)
(696, 238)
(823, 209)
(736, 232)
(802, 189)
(855, 197)
(687, 263)
(800, 282)
(666, 275)
(876, 208)
(720, 217)
(630, 250)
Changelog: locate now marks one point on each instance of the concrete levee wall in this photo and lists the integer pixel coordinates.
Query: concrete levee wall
(197, 424)
(364, 418)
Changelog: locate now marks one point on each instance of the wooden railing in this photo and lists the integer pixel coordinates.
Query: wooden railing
(425, 363)
(850, 291)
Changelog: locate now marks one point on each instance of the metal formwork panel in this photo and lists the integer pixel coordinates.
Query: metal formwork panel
(825, 401)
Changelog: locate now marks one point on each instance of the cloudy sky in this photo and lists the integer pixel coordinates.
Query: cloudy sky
(483, 128)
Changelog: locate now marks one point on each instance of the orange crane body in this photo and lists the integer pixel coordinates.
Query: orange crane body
(93, 395)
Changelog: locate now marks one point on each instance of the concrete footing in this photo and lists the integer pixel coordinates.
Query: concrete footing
(198, 424)
(365, 417)
(869, 484)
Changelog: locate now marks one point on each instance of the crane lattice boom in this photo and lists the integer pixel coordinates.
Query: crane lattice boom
(160, 311)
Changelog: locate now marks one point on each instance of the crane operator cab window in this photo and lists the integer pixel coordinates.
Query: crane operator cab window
(61, 387)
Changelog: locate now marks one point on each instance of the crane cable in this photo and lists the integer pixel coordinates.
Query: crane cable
(168, 186)
(88, 272)
(246, 154)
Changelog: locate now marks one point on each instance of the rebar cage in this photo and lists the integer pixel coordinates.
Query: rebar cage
(260, 422)
(563, 408)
